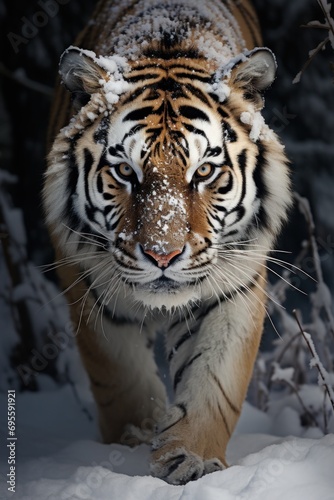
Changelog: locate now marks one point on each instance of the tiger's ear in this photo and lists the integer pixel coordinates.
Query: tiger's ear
(81, 74)
(255, 70)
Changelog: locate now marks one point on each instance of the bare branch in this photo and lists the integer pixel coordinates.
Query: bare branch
(26, 82)
(315, 361)
(305, 209)
(312, 55)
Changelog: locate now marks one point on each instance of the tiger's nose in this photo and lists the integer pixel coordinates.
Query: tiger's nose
(160, 259)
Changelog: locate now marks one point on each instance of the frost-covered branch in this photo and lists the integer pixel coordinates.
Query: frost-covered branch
(20, 77)
(322, 297)
(285, 375)
(329, 23)
(289, 362)
(328, 26)
(32, 312)
(312, 53)
(315, 361)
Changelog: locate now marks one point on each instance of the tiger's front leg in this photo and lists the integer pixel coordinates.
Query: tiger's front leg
(211, 367)
(118, 356)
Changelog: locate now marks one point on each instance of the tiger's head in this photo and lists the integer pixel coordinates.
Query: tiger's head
(167, 172)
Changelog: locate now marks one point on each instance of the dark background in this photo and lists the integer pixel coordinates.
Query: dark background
(32, 41)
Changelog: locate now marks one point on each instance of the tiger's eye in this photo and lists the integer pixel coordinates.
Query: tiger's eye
(204, 171)
(125, 170)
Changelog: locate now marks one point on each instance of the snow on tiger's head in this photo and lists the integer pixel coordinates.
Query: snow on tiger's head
(164, 160)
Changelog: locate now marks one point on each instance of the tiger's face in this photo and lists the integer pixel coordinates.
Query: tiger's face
(170, 177)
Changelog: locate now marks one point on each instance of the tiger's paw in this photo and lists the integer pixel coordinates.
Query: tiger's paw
(181, 466)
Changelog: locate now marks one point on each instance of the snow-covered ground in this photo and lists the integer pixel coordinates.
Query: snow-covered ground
(59, 457)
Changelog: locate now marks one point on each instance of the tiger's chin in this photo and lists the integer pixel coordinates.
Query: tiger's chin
(166, 295)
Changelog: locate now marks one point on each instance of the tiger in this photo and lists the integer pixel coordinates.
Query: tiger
(164, 193)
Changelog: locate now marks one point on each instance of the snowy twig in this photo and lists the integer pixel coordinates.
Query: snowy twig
(285, 376)
(305, 209)
(324, 410)
(25, 81)
(325, 7)
(312, 54)
(315, 361)
(328, 25)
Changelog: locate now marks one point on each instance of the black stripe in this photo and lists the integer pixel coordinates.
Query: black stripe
(195, 130)
(189, 68)
(108, 196)
(181, 370)
(183, 408)
(222, 414)
(242, 162)
(107, 209)
(222, 112)
(139, 114)
(193, 113)
(194, 76)
(101, 134)
(170, 111)
(218, 383)
(186, 336)
(72, 180)
(133, 131)
(113, 226)
(261, 187)
(117, 150)
(99, 183)
(134, 95)
(229, 296)
(143, 76)
(220, 208)
(87, 167)
(227, 160)
(231, 233)
(230, 134)
(198, 93)
(213, 151)
(258, 174)
(225, 189)
(240, 213)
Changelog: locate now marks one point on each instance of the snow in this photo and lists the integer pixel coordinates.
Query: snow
(166, 18)
(60, 457)
(258, 126)
(282, 373)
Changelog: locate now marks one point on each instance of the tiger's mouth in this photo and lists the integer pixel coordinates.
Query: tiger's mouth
(163, 284)
(166, 293)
